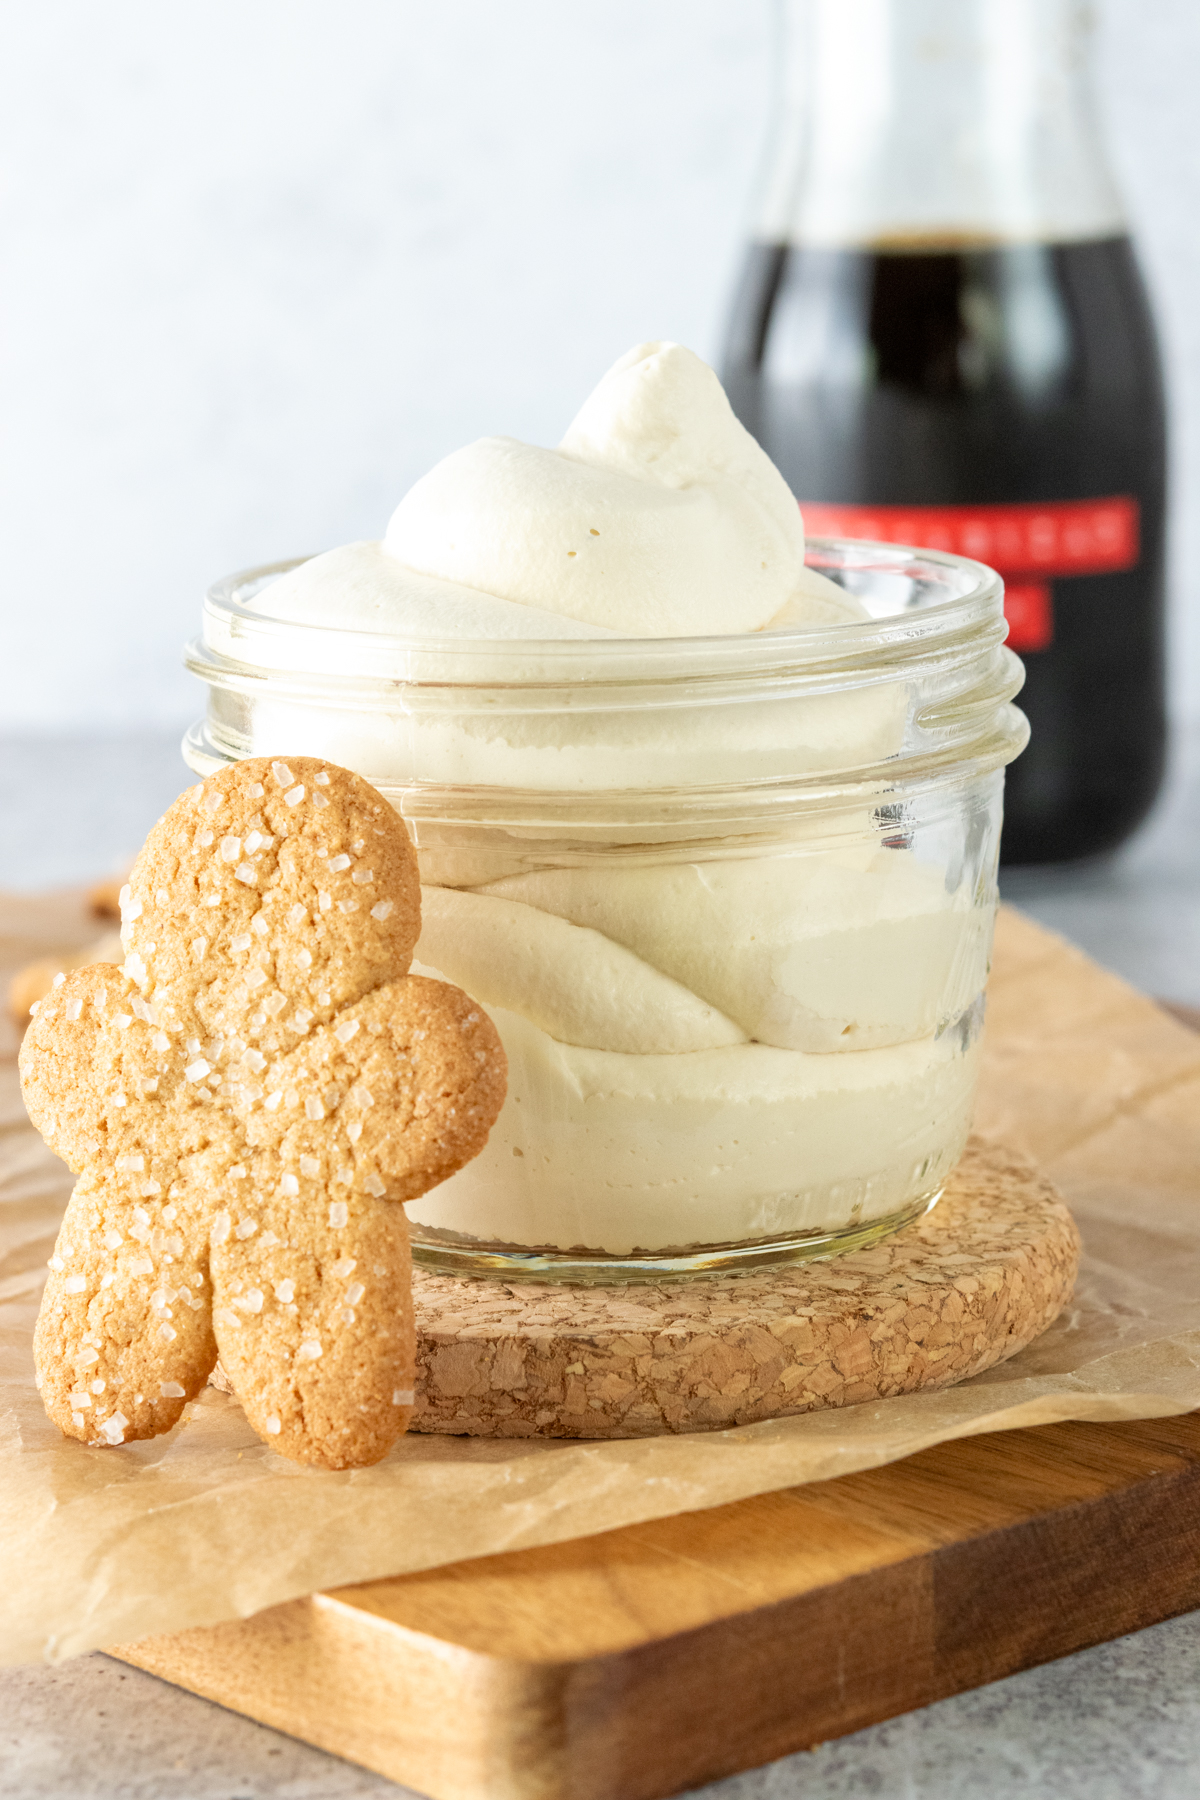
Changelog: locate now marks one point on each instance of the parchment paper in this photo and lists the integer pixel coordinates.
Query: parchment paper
(106, 1546)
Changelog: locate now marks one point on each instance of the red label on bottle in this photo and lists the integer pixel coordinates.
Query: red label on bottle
(1029, 610)
(1065, 537)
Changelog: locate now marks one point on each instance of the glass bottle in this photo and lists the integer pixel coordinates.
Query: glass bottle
(941, 337)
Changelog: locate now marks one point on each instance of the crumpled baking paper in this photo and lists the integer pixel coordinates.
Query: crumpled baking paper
(108, 1546)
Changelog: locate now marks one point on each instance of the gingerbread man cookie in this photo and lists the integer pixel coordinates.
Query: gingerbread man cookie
(247, 1104)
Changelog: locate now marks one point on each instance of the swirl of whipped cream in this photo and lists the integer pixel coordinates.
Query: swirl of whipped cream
(657, 516)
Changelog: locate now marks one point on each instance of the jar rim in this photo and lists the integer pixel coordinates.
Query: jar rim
(936, 640)
(233, 634)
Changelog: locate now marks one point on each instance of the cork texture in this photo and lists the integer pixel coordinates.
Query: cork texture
(968, 1285)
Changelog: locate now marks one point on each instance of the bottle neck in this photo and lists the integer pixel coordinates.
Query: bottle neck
(926, 123)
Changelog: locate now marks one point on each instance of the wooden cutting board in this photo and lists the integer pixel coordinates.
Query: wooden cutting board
(656, 1658)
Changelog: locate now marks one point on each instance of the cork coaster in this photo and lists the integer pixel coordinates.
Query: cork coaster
(966, 1286)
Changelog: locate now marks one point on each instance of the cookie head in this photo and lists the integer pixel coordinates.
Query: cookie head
(248, 1103)
(264, 905)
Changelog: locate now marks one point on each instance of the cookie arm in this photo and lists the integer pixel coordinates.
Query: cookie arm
(71, 1060)
(398, 1093)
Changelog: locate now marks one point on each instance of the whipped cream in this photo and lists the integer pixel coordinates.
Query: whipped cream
(708, 1042)
(825, 951)
(598, 1150)
(657, 516)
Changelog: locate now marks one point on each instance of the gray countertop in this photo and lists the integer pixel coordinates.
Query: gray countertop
(1120, 1722)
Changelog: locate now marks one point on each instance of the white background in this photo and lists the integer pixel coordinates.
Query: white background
(266, 260)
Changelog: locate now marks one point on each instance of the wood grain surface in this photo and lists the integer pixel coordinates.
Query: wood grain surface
(645, 1661)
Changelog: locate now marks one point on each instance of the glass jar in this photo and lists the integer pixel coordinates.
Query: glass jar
(729, 901)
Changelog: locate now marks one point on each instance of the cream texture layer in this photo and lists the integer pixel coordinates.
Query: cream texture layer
(701, 1050)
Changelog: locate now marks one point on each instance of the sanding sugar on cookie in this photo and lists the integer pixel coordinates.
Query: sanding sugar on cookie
(247, 1104)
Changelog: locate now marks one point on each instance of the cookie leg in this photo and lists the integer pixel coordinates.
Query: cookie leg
(312, 1308)
(124, 1336)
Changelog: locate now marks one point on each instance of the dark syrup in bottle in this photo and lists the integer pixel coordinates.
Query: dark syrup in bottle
(941, 337)
(1000, 385)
